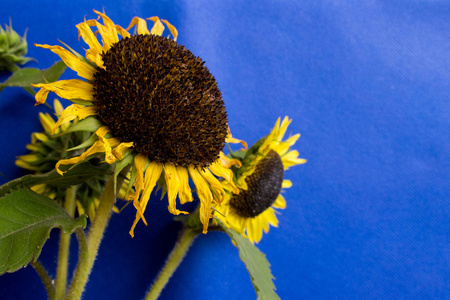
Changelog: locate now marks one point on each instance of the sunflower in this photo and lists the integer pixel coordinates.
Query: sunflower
(152, 105)
(260, 181)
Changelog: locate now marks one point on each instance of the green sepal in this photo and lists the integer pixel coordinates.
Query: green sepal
(120, 165)
(256, 263)
(26, 219)
(90, 124)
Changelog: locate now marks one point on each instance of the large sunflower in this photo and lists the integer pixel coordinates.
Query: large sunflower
(260, 181)
(153, 105)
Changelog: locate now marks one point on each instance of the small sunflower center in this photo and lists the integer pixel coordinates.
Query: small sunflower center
(157, 94)
(264, 186)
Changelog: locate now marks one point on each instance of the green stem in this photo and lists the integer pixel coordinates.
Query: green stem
(49, 287)
(95, 237)
(64, 245)
(185, 240)
(82, 270)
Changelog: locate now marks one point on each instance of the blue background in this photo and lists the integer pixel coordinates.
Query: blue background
(367, 86)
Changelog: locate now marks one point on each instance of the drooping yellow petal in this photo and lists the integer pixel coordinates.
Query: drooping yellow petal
(68, 89)
(227, 162)
(120, 150)
(185, 193)
(205, 196)
(101, 145)
(152, 175)
(226, 174)
(72, 112)
(214, 184)
(140, 161)
(173, 185)
(172, 29)
(83, 69)
(232, 140)
(158, 27)
(141, 25)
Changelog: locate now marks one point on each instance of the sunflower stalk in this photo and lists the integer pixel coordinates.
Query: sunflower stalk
(185, 239)
(89, 253)
(46, 279)
(64, 245)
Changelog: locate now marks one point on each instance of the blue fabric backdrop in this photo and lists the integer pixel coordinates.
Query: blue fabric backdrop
(367, 86)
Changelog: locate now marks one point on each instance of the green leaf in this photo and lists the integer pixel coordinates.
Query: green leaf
(26, 219)
(26, 76)
(77, 175)
(256, 263)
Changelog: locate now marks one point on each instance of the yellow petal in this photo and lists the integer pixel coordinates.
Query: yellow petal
(74, 111)
(120, 150)
(158, 27)
(185, 192)
(84, 30)
(108, 32)
(226, 174)
(152, 175)
(291, 159)
(58, 107)
(140, 161)
(280, 202)
(141, 25)
(205, 196)
(47, 122)
(98, 146)
(173, 185)
(83, 69)
(214, 184)
(172, 29)
(232, 140)
(227, 162)
(286, 184)
(68, 89)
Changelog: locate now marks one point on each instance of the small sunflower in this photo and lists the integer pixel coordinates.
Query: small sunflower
(46, 151)
(153, 105)
(260, 181)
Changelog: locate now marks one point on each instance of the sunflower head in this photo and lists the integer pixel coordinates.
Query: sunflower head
(260, 181)
(153, 105)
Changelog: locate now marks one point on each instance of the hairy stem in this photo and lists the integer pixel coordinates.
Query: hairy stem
(64, 245)
(46, 280)
(95, 237)
(184, 242)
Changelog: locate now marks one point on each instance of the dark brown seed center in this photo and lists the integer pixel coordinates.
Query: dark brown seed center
(157, 94)
(264, 186)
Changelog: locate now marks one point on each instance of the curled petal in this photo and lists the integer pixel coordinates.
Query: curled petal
(68, 89)
(120, 150)
(141, 25)
(204, 194)
(172, 29)
(173, 185)
(185, 193)
(83, 69)
(232, 140)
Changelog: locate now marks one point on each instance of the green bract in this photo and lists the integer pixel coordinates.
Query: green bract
(13, 49)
